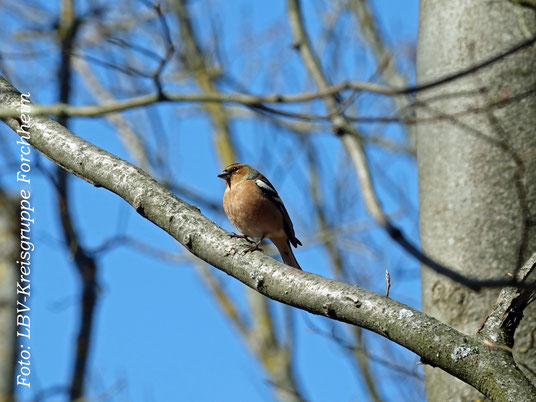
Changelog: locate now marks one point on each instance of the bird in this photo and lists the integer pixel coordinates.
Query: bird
(254, 207)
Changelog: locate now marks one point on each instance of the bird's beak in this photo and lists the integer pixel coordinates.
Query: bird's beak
(224, 175)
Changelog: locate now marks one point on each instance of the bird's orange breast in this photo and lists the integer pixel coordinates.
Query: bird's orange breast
(251, 211)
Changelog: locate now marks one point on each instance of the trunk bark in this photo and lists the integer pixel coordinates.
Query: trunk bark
(477, 171)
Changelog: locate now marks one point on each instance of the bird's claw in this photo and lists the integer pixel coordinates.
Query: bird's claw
(252, 248)
(254, 245)
(233, 235)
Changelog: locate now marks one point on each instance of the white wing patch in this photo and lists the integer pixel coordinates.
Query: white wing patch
(265, 186)
(268, 189)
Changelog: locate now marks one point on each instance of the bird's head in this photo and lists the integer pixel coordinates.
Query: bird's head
(235, 173)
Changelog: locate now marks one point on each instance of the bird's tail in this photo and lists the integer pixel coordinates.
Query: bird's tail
(283, 246)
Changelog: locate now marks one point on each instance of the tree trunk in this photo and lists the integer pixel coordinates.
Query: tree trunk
(9, 229)
(477, 171)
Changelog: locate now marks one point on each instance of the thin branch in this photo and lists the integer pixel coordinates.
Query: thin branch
(502, 321)
(197, 64)
(360, 350)
(206, 97)
(257, 102)
(170, 49)
(472, 69)
(228, 306)
(123, 240)
(338, 263)
(69, 26)
(128, 135)
(387, 282)
(252, 100)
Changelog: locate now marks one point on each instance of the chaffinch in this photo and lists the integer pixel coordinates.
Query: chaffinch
(253, 206)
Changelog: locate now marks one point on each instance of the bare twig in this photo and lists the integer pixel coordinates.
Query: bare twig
(387, 282)
(329, 238)
(170, 49)
(86, 266)
(502, 321)
(332, 335)
(257, 102)
(472, 69)
(247, 99)
(197, 65)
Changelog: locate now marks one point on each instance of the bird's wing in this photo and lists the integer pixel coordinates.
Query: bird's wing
(268, 190)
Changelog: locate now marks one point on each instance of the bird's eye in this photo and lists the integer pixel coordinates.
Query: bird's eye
(234, 169)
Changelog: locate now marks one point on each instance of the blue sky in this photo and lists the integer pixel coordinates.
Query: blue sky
(158, 333)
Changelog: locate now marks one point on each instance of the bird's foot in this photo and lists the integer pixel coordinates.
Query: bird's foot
(254, 247)
(238, 236)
